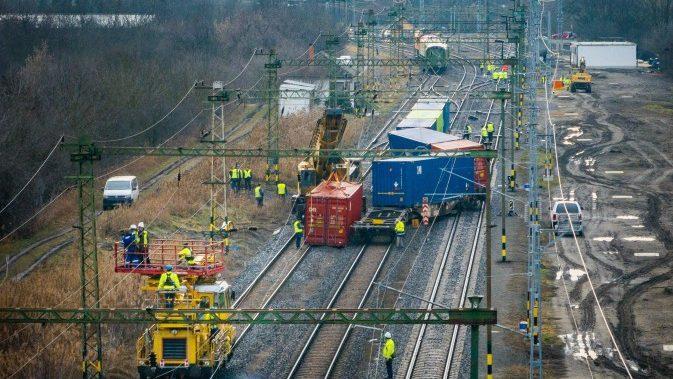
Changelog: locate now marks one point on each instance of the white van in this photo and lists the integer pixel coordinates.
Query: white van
(120, 190)
(565, 213)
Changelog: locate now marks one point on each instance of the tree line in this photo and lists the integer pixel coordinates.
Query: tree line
(111, 82)
(647, 22)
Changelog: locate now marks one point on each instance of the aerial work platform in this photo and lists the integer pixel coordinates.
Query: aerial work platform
(208, 258)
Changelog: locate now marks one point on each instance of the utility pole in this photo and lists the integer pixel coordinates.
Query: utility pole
(272, 66)
(331, 42)
(534, 278)
(218, 165)
(92, 348)
(503, 170)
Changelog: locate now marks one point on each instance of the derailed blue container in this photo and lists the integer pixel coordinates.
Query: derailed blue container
(417, 138)
(403, 182)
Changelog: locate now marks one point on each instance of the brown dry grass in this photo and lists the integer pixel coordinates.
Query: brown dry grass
(165, 208)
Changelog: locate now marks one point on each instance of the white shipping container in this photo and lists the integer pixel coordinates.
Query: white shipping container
(604, 54)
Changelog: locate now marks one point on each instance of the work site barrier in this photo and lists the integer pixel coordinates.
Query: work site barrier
(208, 258)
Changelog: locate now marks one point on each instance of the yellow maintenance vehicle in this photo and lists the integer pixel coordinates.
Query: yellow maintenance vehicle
(581, 79)
(182, 350)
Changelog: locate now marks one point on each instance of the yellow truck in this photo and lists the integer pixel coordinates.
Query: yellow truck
(581, 79)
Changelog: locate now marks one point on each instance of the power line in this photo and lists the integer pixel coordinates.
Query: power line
(153, 125)
(60, 139)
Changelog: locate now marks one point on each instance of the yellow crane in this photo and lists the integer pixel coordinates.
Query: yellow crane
(327, 135)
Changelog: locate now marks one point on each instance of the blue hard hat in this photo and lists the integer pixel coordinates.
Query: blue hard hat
(169, 267)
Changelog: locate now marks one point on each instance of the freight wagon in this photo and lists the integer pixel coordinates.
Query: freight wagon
(331, 208)
(444, 183)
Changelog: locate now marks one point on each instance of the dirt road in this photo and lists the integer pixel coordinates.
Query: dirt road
(616, 159)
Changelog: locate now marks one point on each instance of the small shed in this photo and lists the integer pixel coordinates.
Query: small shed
(604, 54)
(295, 96)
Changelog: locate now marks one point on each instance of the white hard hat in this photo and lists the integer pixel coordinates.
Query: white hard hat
(141, 224)
(224, 225)
(388, 335)
(133, 226)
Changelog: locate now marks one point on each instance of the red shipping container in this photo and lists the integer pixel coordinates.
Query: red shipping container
(480, 164)
(331, 208)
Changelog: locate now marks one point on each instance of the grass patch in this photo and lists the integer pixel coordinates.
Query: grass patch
(661, 108)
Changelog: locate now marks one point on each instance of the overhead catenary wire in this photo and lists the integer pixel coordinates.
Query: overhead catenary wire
(154, 124)
(58, 142)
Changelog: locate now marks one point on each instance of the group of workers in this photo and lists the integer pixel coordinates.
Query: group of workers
(240, 178)
(136, 244)
(487, 132)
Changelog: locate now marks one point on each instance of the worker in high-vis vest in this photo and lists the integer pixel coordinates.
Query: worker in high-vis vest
(490, 128)
(169, 283)
(388, 353)
(235, 178)
(186, 255)
(143, 242)
(298, 233)
(484, 135)
(467, 134)
(399, 232)
(225, 231)
(247, 178)
(281, 190)
(259, 195)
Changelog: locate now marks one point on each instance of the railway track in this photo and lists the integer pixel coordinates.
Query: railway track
(437, 348)
(322, 349)
(266, 286)
(317, 356)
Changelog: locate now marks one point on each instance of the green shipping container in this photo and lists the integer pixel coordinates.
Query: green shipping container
(435, 114)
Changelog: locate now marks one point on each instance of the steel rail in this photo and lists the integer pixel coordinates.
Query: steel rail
(452, 234)
(275, 291)
(463, 296)
(335, 298)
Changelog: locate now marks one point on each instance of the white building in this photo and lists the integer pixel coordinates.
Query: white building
(295, 96)
(604, 54)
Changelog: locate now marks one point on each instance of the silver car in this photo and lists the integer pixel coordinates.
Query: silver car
(563, 215)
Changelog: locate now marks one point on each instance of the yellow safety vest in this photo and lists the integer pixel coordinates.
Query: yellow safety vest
(258, 192)
(143, 237)
(247, 174)
(234, 173)
(297, 227)
(186, 254)
(468, 129)
(399, 227)
(173, 283)
(490, 127)
(516, 135)
(388, 350)
(281, 188)
(484, 132)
